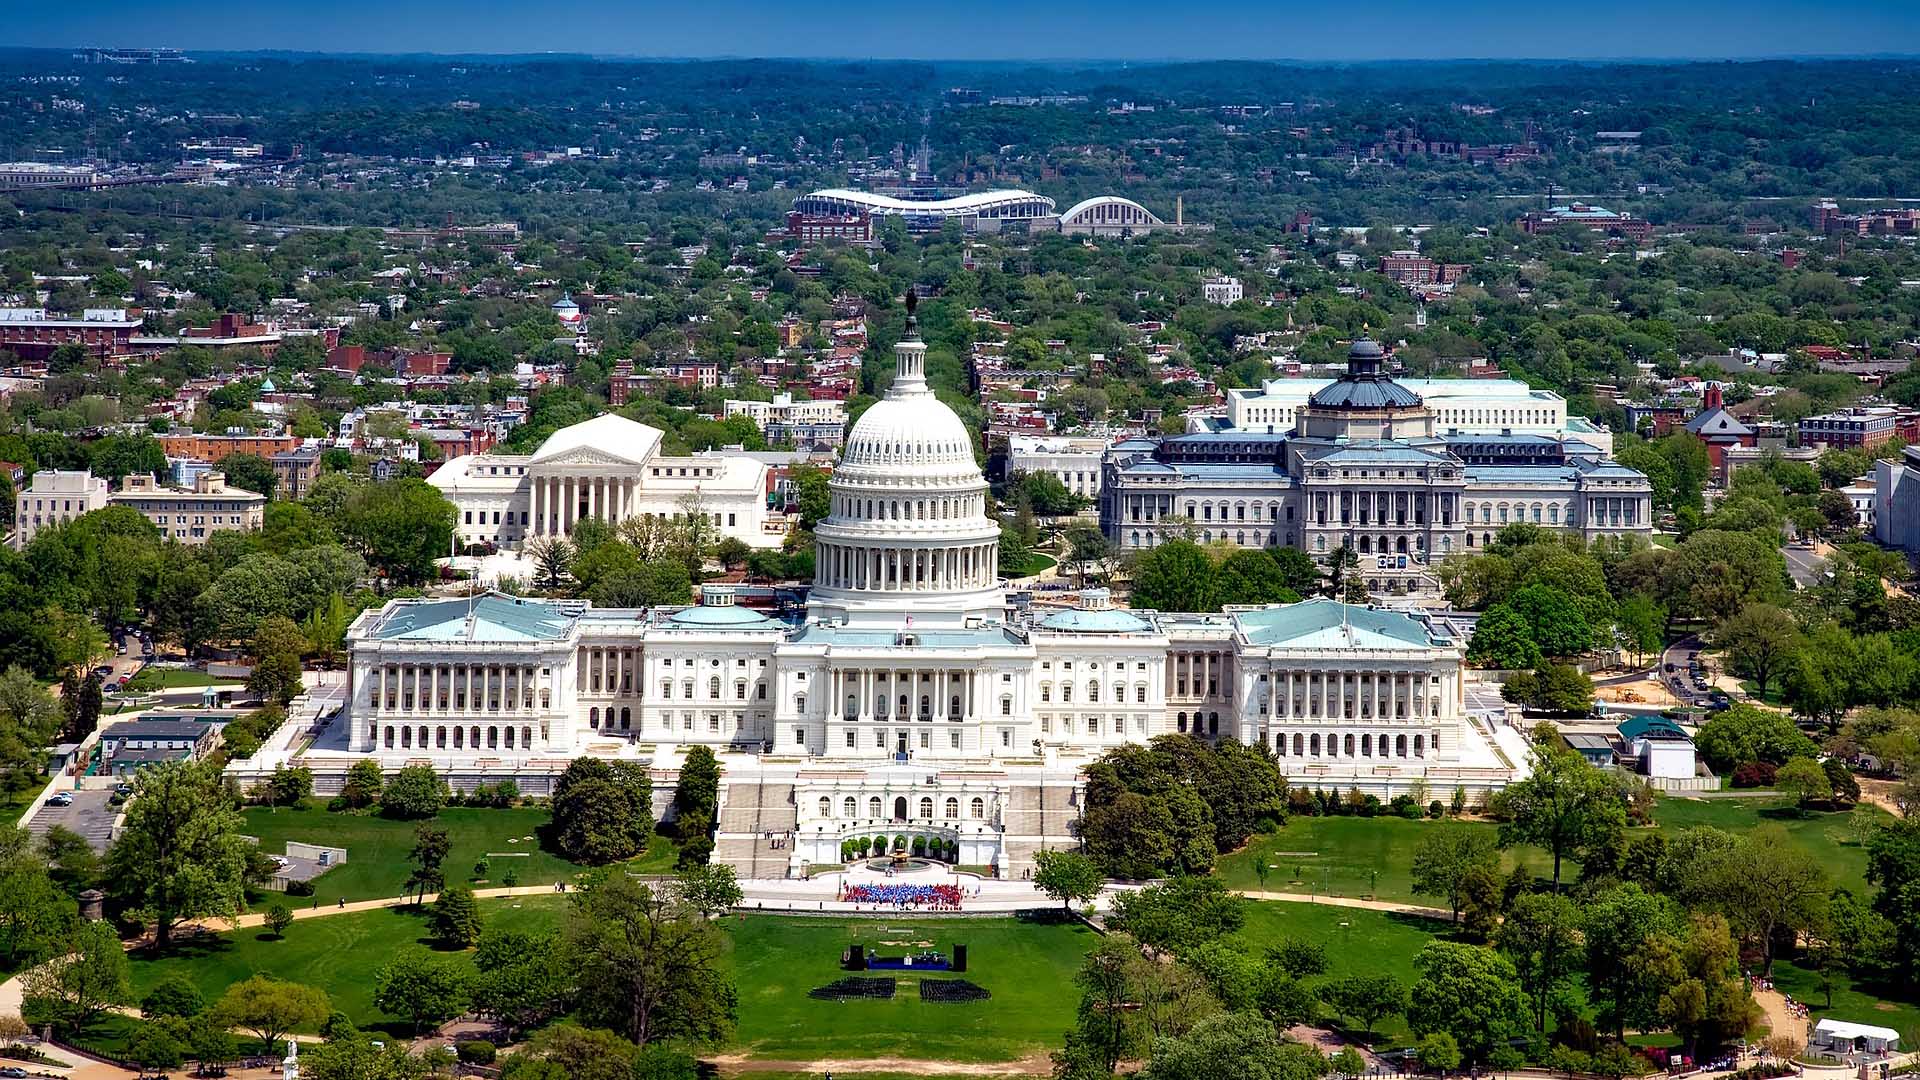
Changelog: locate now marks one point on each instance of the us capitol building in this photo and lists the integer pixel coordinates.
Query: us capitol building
(909, 698)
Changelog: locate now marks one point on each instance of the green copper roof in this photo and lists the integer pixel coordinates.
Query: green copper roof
(720, 616)
(1328, 624)
(1096, 622)
(493, 617)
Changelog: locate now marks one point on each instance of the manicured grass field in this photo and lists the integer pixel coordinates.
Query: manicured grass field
(1357, 941)
(1888, 1004)
(1341, 856)
(1028, 966)
(162, 678)
(1353, 856)
(338, 953)
(377, 847)
(1837, 838)
(775, 960)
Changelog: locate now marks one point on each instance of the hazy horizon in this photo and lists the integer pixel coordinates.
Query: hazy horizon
(1120, 31)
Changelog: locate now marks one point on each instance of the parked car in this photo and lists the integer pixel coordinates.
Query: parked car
(61, 798)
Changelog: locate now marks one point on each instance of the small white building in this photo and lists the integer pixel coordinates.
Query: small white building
(1846, 1037)
(1222, 289)
(1075, 462)
(1660, 745)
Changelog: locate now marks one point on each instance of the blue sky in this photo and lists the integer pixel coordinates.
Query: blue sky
(990, 29)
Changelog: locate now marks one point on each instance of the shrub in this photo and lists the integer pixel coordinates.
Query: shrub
(481, 867)
(1434, 809)
(172, 996)
(510, 878)
(475, 1051)
(919, 846)
(415, 792)
(1753, 774)
(299, 888)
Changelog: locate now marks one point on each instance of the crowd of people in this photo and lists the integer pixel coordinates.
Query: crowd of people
(929, 897)
(1760, 982)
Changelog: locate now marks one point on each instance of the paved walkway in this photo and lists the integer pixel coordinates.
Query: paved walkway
(1353, 902)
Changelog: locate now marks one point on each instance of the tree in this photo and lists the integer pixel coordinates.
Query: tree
(1502, 639)
(400, 528)
(270, 1007)
(1768, 886)
(414, 792)
(1804, 779)
(552, 558)
(289, 786)
(154, 1047)
(1631, 940)
(696, 794)
(455, 916)
(1469, 992)
(430, 847)
(1366, 998)
(1086, 544)
(1067, 876)
(278, 918)
(36, 917)
(647, 963)
(1445, 857)
(1176, 576)
(250, 472)
(1564, 805)
(709, 889)
(1551, 688)
(567, 1051)
(29, 717)
(423, 988)
(521, 979)
(77, 987)
(362, 787)
(1438, 1052)
(1250, 576)
(181, 853)
(602, 812)
(175, 995)
(275, 651)
(1179, 914)
(1236, 1045)
(1541, 936)
(1746, 733)
(1760, 640)
(1893, 864)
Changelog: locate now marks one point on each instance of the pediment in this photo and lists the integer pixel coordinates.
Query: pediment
(584, 456)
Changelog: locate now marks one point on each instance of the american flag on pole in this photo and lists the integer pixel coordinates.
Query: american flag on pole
(909, 622)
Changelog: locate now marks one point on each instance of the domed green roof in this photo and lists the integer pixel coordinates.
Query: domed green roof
(709, 616)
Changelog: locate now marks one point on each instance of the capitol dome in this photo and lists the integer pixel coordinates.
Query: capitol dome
(908, 538)
(1365, 385)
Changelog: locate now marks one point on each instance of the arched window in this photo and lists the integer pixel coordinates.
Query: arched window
(1400, 746)
(1093, 690)
(1180, 722)
(826, 806)
(849, 806)
(713, 687)
(493, 738)
(926, 806)
(440, 738)
(900, 808)
(1349, 746)
(1313, 745)
(977, 809)
(626, 719)
(873, 807)
(593, 719)
(1419, 746)
(1297, 752)
(953, 808)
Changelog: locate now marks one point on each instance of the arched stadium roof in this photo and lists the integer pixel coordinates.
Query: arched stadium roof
(973, 202)
(1073, 213)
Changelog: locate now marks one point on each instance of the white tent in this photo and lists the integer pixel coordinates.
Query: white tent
(1845, 1037)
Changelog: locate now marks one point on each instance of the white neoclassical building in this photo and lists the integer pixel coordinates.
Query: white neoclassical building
(908, 698)
(609, 468)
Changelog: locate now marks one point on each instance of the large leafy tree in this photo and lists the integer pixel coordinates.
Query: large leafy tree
(1448, 856)
(602, 812)
(400, 527)
(1469, 992)
(649, 965)
(1541, 936)
(89, 976)
(1233, 1044)
(182, 853)
(1761, 641)
(271, 1007)
(1176, 576)
(1564, 805)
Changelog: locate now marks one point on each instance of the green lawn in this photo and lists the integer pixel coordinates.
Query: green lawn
(1034, 563)
(1353, 856)
(338, 953)
(1029, 967)
(163, 678)
(1888, 1005)
(377, 847)
(1837, 838)
(1357, 942)
(1340, 856)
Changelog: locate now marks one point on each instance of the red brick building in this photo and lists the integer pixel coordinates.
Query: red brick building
(34, 333)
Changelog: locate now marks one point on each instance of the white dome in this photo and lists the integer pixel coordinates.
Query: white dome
(909, 535)
(920, 432)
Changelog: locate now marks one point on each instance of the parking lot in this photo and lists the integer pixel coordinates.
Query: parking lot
(90, 816)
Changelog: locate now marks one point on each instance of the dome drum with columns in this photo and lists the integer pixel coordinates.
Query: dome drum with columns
(908, 536)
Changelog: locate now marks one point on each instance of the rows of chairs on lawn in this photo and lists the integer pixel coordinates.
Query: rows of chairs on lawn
(934, 897)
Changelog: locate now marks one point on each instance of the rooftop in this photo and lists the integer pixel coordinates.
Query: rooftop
(493, 617)
(1321, 623)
